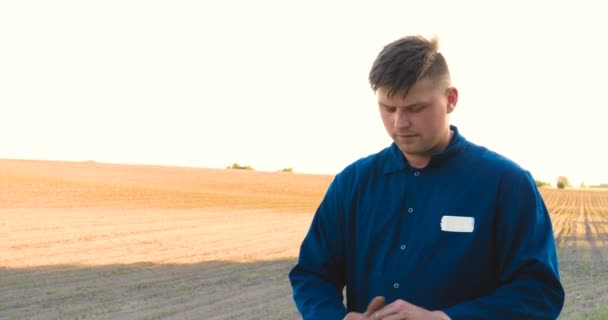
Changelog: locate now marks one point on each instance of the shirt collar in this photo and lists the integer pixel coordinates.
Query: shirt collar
(395, 161)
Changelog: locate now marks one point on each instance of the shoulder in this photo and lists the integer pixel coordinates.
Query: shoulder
(489, 162)
(495, 162)
(366, 167)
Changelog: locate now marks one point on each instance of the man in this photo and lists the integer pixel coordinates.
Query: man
(432, 227)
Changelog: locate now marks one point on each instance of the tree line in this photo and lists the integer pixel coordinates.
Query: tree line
(562, 182)
(240, 167)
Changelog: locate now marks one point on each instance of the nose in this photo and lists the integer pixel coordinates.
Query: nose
(402, 119)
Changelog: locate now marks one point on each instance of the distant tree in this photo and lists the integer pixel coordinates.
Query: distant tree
(541, 184)
(563, 182)
(238, 166)
(286, 170)
(583, 185)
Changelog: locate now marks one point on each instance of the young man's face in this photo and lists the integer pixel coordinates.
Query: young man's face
(418, 122)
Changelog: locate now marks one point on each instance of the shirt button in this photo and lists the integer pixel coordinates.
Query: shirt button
(402, 247)
(396, 285)
(416, 173)
(410, 210)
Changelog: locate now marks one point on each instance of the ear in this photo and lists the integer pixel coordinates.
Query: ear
(452, 95)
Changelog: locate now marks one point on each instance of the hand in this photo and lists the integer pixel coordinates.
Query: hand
(376, 304)
(403, 310)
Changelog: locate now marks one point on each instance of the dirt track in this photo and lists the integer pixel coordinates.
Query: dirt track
(149, 264)
(98, 241)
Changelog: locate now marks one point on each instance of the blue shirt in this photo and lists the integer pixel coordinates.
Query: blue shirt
(379, 232)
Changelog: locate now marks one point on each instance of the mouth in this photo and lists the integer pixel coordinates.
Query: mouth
(406, 136)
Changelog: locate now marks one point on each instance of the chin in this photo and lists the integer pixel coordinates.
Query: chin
(409, 150)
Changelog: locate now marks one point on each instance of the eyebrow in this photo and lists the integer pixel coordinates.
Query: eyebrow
(409, 106)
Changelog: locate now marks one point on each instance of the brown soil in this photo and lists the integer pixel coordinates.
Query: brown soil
(84, 240)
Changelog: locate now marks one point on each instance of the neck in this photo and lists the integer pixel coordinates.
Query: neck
(420, 161)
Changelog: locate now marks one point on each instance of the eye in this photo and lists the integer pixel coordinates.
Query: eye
(389, 109)
(417, 108)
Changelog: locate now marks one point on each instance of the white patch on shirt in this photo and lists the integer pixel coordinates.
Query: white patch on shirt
(457, 224)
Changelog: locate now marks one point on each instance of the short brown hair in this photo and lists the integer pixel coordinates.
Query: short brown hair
(403, 62)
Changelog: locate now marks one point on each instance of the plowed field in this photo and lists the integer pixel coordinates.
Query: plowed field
(83, 240)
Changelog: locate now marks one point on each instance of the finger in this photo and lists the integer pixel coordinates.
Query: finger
(384, 312)
(353, 316)
(394, 308)
(376, 304)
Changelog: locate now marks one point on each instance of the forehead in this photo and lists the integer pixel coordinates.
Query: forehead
(424, 90)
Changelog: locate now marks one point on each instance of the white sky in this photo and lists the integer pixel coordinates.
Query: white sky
(277, 84)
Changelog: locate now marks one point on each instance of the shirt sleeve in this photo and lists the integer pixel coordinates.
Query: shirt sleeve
(527, 258)
(318, 276)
